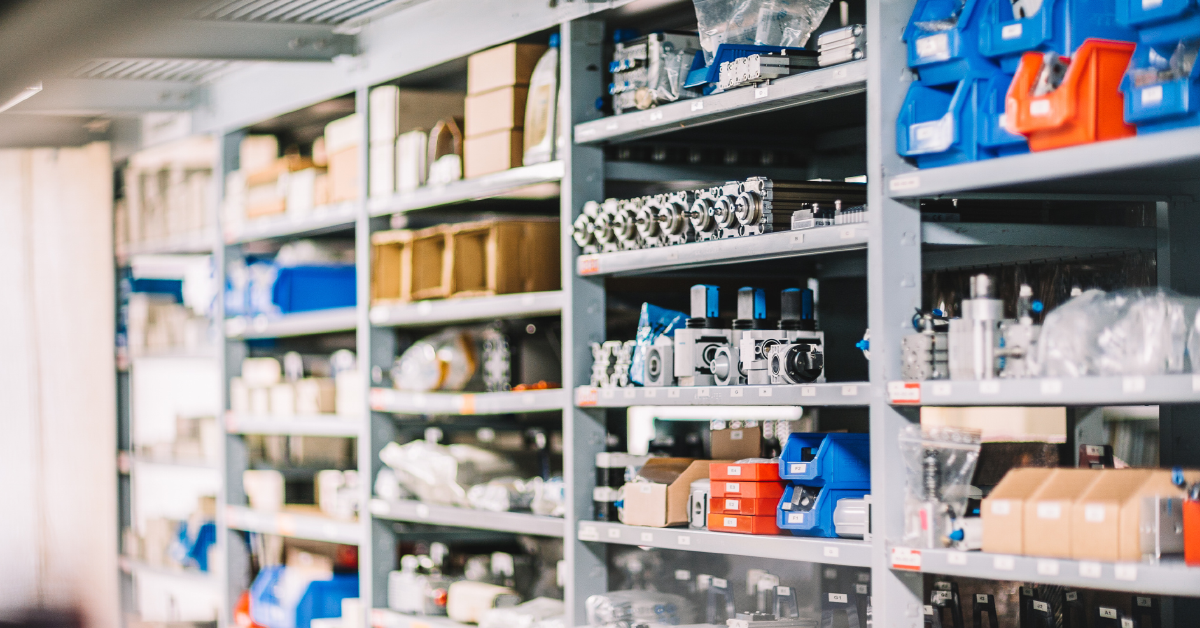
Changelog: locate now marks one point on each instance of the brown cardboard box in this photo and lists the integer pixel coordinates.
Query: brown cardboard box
(660, 499)
(391, 266)
(395, 110)
(493, 152)
(1048, 512)
(498, 110)
(343, 174)
(1159, 483)
(739, 444)
(1004, 509)
(1095, 516)
(502, 66)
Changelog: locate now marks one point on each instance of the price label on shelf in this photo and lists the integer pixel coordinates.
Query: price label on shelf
(586, 396)
(1047, 567)
(906, 558)
(588, 264)
(904, 392)
(1003, 563)
(589, 533)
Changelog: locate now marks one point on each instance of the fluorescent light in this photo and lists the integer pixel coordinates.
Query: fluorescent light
(25, 94)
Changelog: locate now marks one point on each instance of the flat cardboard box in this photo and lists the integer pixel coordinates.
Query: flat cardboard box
(1048, 512)
(1095, 516)
(498, 110)
(742, 524)
(502, 66)
(493, 152)
(737, 444)
(748, 490)
(1003, 511)
(343, 174)
(1159, 483)
(660, 497)
(747, 472)
(740, 506)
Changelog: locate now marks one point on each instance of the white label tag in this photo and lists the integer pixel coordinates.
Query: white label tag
(1151, 4)
(1047, 567)
(1095, 450)
(730, 522)
(589, 533)
(1126, 622)
(1196, 383)
(933, 46)
(1003, 563)
(860, 589)
(1011, 31)
(697, 105)
(798, 467)
(1093, 513)
(614, 533)
(736, 435)
(673, 393)
(1041, 606)
(988, 387)
(1108, 613)
(1039, 107)
(645, 488)
(1089, 570)
(651, 392)
(981, 598)
(701, 392)
(1125, 572)
(808, 391)
(956, 558)
(849, 391)
(735, 392)
(686, 540)
(683, 574)
(732, 504)
(1071, 596)
(760, 92)
(1049, 510)
(1144, 601)
(733, 487)
(630, 393)
(764, 392)
(928, 609)
(1152, 95)
(830, 551)
(647, 537)
(656, 115)
(783, 590)
(1051, 387)
(796, 518)
(904, 182)
(904, 392)
(942, 389)
(734, 469)
(1001, 507)
(1133, 385)
(839, 598)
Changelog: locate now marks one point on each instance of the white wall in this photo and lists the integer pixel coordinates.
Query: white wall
(58, 531)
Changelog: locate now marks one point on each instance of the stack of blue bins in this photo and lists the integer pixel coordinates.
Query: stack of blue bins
(273, 607)
(1163, 27)
(965, 55)
(836, 466)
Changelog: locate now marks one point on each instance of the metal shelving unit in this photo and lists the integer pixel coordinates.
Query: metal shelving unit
(324, 219)
(1082, 391)
(400, 402)
(418, 512)
(447, 311)
(298, 324)
(832, 394)
(299, 525)
(316, 425)
(521, 183)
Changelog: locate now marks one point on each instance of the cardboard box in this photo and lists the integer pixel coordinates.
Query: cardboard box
(747, 472)
(343, 174)
(1048, 512)
(739, 506)
(256, 152)
(342, 134)
(748, 490)
(391, 266)
(395, 111)
(660, 498)
(742, 524)
(1003, 511)
(493, 152)
(737, 444)
(1095, 516)
(315, 395)
(383, 170)
(498, 110)
(502, 66)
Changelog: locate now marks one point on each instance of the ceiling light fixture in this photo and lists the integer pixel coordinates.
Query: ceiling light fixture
(25, 94)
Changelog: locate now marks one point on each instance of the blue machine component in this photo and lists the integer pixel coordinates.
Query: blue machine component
(818, 519)
(1160, 106)
(321, 599)
(1049, 25)
(712, 307)
(760, 304)
(835, 460)
(307, 288)
(943, 41)
(709, 76)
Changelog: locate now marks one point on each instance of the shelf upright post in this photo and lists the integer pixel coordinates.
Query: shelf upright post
(894, 289)
(584, 431)
(376, 348)
(234, 569)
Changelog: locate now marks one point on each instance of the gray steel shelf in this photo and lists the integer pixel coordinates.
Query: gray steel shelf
(313, 425)
(1165, 578)
(197, 242)
(445, 311)
(848, 552)
(299, 324)
(808, 87)
(753, 248)
(516, 522)
(1081, 391)
(204, 465)
(404, 402)
(1154, 164)
(324, 219)
(836, 394)
(513, 183)
(137, 567)
(387, 618)
(298, 525)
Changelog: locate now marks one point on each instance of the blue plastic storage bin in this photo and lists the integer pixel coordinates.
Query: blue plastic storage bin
(322, 598)
(817, 521)
(941, 53)
(1161, 106)
(1059, 26)
(990, 132)
(307, 288)
(1161, 21)
(832, 460)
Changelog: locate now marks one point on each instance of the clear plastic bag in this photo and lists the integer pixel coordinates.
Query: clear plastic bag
(550, 498)
(447, 360)
(1193, 348)
(1137, 331)
(939, 463)
(503, 494)
(438, 473)
(654, 322)
(759, 22)
(632, 608)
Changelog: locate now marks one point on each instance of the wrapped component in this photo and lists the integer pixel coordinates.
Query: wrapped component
(632, 608)
(437, 474)
(653, 323)
(497, 361)
(1139, 331)
(443, 361)
(760, 22)
(940, 462)
(506, 494)
(549, 498)
(651, 70)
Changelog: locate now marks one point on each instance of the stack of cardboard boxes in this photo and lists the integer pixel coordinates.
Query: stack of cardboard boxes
(402, 164)
(497, 90)
(1084, 514)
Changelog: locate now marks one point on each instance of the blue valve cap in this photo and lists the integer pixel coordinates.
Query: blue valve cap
(863, 345)
(1037, 306)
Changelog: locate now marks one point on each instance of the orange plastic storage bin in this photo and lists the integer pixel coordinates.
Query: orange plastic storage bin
(1087, 107)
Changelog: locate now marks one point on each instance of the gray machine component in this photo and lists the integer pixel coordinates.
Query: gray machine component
(649, 227)
(704, 223)
(759, 68)
(1160, 530)
(660, 363)
(926, 354)
(842, 45)
(698, 504)
(604, 362)
(583, 230)
(728, 367)
(625, 225)
(724, 210)
(620, 376)
(672, 216)
(603, 229)
(697, 343)
(852, 517)
(497, 361)
(974, 337)
(797, 362)
(797, 324)
(651, 70)
(766, 205)
(1018, 338)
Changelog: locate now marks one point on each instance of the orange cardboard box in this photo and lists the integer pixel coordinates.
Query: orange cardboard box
(739, 506)
(748, 490)
(749, 472)
(742, 524)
